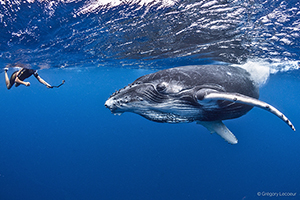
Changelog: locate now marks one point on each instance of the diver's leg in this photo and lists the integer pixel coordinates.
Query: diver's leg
(10, 82)
(7, 81)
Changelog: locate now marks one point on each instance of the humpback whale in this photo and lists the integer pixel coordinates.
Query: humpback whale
(205, 94)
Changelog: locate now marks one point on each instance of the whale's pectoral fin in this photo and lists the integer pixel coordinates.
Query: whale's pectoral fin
(242, 99)
(219, 128)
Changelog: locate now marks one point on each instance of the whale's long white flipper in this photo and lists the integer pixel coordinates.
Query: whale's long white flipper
(238, 98)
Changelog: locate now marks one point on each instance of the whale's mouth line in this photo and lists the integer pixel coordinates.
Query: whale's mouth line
(113, 109)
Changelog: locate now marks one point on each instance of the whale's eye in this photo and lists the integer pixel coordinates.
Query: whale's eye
(161, 87)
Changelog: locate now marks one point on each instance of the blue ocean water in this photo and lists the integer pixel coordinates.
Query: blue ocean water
(64, 144)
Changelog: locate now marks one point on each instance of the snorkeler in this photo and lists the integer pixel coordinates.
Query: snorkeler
(19, 76)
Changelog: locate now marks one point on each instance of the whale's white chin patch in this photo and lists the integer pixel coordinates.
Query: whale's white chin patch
(109, 102)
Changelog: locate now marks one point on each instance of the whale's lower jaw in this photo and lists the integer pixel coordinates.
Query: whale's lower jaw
(165, 117)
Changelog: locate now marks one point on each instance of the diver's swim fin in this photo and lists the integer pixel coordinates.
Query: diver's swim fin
(58, 85)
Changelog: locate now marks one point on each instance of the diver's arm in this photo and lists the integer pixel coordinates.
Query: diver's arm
(17, 80)
(43, 81)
